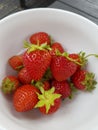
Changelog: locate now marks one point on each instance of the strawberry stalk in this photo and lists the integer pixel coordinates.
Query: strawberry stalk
(95, 55)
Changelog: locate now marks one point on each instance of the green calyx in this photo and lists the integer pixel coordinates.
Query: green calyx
(33, 47)
(8, 86)
(47, 98)
(89, 82)
(83, 58)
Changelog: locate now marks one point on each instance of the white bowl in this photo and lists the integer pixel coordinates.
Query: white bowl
(76, 33)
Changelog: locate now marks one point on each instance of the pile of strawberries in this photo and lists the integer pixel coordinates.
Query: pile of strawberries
(46, 75)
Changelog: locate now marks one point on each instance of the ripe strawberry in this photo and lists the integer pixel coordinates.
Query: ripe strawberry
(62, 88)
(62, 68)
(75, 56)
(9, 84)
(46, 85)
(49, 101)
(24, 77)
(40, 38)
(52, 109)
(56, 46)
(25, 98)
(80, 59)
(84, 80)
(77, 59)
(36, 61)
(16, 62)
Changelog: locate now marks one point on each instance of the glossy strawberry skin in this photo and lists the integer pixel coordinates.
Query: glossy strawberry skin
(62, 68)
(56, 46)
(36, 63)
(25, 98)
(53, 108)
(24, 77)
(76, 57)
(41, 37)
(46, 85)
(62, 88)
(10, 84)
(78, 78)
(16, 62)
(84, 80)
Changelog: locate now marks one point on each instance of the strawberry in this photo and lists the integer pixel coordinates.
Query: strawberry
(36, 60)
(40, 38)
(56, 46)
(24, 77)
(16, 62)
(49, 101)
(84, 80)
(52, 109)
(80, 58)
(46, 85)
(62, 68)
(25, 98)
(77, 58)
(9, 84)
(62, 88)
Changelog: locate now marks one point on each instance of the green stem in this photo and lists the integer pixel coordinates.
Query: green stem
(95, 55)
(74, 61)
(32, 47)
(65, 54)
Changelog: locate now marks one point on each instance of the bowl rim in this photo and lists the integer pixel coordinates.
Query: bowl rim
(48, 9)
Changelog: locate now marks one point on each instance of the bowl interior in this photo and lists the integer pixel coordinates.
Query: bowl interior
(76, 34)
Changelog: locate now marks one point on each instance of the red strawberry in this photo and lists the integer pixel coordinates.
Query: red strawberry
(80, 59)
(36, 61)
(77, 59)
(75, 56)
(62, 88)
(62, 68)
(49, 101)
(9, 84)
(25, 98)
(16, 62)
(84, 80)
(40, 38)
(46, 85)
(53, 108)
(24, 77)
(56, 46)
